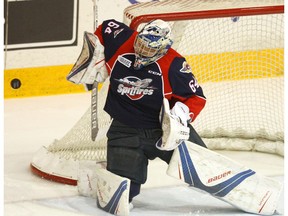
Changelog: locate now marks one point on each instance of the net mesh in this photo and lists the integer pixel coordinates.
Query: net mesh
(238, 61)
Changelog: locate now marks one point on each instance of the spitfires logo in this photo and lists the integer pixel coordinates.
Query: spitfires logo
(135, 88)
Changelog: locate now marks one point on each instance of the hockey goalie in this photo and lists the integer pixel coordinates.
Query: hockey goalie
(153, 98)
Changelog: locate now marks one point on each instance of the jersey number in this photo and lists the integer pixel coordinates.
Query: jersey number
(193, 85)
(111, 25)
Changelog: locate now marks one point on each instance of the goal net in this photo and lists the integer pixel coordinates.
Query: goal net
(235, 49)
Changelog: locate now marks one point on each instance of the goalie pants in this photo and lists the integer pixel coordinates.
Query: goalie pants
(129, 150)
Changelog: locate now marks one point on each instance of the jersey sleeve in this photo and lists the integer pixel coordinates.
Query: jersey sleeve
(185, 87)
(98, 33)
(112, 35)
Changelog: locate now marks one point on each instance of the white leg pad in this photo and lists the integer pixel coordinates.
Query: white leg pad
(225, 179)
(112, 192)
(86, 179)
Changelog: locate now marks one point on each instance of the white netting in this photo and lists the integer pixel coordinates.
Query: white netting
(77, 143)
(239, 62)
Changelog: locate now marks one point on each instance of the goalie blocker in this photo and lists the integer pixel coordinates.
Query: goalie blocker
(90, 65)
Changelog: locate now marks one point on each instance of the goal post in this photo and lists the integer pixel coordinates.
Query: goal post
(236, 51)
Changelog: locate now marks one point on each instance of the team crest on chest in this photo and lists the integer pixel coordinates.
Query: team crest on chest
(186, 68)
(135, 88)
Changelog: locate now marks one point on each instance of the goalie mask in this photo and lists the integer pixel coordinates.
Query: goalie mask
(151, 43)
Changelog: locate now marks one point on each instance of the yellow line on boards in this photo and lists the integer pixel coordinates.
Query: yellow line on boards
(229, 66)
(51, 80)
(38, 81)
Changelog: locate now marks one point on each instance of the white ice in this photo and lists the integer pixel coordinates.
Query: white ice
(30, 123)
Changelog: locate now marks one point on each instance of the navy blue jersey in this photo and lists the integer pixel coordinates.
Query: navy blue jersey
(135, 97)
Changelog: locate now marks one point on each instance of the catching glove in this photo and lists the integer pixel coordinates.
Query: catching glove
(174, 131)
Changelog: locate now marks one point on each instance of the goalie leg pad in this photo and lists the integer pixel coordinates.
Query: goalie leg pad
(86, 179)
(225, 179)
(112, 192)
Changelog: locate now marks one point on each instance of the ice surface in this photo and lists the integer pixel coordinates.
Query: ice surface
(33, 122)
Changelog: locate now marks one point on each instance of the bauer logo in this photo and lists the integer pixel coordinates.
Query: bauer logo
(218, 177)
(135, 88)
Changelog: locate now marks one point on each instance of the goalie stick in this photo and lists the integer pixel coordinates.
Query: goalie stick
(78, 73)
(94, 91)
(94, 114)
